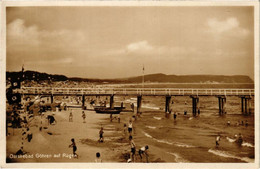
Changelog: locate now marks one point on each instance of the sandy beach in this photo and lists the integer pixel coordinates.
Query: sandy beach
(186, 139)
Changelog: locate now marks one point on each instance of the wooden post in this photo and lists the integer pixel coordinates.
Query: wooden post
(194, 105)
(111, 101)
(167, 103)
(83, 102)
(139, 103)
(52, 98)
(220, 105)
(246, 100)
(224, 104)
(242, 105)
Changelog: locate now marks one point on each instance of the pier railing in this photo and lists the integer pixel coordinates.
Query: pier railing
(136, 91)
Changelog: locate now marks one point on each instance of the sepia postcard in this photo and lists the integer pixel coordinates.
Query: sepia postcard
(140, 84)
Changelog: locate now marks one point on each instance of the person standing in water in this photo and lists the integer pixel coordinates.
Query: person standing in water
(101, 132)
(132, 144)
(143, 151)
(217, 140)
(174, 115)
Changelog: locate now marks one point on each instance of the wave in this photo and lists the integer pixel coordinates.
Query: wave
(151, 107)
(183, 145)
(169, 143)
(245, 144)
(178, 158)
(228, 155)
(157, 118)
(151, 127)
(230, 139)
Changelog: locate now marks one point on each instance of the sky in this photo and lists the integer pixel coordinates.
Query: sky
(116, 42)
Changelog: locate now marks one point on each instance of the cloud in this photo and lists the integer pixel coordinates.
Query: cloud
(34, 43)
(141, 46)
(230, 25)
(18, 34)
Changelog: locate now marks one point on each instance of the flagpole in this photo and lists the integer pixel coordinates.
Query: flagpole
(143, 77)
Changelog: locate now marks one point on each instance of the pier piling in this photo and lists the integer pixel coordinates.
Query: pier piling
(52, 98)
(111, 101)
(167, 103)
(195, 101)
(245, 105)
(139, 103)
(221, 104)
(83, 102)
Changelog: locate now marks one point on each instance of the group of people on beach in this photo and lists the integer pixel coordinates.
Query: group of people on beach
(83, 115)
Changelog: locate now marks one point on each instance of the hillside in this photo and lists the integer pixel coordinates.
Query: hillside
(157, 78)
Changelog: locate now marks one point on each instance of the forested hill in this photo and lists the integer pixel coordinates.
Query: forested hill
(158, 78)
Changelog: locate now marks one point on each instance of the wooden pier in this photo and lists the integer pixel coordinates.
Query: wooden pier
(194, 94)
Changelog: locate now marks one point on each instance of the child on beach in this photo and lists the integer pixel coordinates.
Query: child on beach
(83, 116)
(143, 151)
(132, 144)
(98, 159)
(74, 148)
(70, 117)
(101, 132)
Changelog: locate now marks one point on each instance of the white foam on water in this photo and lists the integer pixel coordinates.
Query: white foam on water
(183, 145)
(230, 139)
(151, 127)
(228, 155)
(163, 141)
(178, 158)
(133, 98)
(245, 144)
(157, 118)
(148, 106)
(169, 143)
(147, 135)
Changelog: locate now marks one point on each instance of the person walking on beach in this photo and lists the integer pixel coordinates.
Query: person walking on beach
(29, 135)
(217, 140)
(130, 127)
(98, 159)
(132, 144)
(71, 117)
(101, 132)
(83, 116)
(74, 148)
(144, 151)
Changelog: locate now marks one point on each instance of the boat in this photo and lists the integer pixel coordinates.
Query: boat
(104, 110)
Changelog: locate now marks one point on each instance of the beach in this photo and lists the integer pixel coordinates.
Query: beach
(186, 139)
